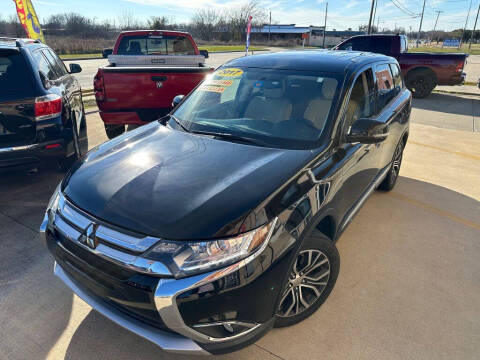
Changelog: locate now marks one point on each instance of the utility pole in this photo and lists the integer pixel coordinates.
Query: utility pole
(375, 14)
(465, 27)
(269, 27)
(325, 26)
(371, 16)
(436, 21)
(421, 21)
(474, 27)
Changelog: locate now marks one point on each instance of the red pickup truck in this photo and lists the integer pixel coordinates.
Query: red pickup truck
(146, 70)
(422, 71)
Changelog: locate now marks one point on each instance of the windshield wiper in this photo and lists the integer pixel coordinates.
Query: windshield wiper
(233, 137)
(184, 128)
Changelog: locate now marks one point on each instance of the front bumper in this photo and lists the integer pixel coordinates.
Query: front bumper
(167, 341)
(187, 315)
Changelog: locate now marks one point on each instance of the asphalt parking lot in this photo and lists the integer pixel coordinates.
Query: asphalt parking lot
(409, 284)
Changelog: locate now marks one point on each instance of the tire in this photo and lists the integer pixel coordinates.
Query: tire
(391, 179)
(421, 83)
(318, 248)
(113, 131)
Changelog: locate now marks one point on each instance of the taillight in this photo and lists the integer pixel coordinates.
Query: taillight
(98, 87)
(460, 66)
(48, 106)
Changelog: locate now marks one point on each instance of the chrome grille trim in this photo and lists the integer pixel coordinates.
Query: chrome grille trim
(70, 223)
(132, 243)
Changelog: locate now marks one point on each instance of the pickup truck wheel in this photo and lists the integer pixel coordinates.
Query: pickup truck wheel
(312, 277)
(421, 83)
(391, 179)
(114, 130)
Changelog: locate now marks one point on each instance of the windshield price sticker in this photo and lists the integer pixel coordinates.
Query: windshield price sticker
(225, 83)
(230, 72)
(212, 88)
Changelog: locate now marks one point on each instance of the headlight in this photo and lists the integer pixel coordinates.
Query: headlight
(191, 257)
(53, 203)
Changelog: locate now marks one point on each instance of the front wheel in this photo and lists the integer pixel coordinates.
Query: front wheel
(312, 277)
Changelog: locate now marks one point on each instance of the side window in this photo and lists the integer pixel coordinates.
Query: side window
(385, 85)
(59, 65)
(362, 99)
(44, 66)
(397, 78)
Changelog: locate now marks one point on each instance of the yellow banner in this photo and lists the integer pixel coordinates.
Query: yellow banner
(29, 20)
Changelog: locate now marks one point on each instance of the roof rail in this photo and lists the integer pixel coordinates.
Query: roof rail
(20, 42)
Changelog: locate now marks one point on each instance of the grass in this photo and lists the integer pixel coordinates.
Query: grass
(218, 48)
(80, 56)
(475, 50)
(210, 48)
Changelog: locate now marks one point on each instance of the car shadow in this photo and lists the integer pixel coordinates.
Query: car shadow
(447, 103)
(35, 307)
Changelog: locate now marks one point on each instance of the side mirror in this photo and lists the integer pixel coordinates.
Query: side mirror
(177, 100)
(204, 53)
(75, 68)
(106, 52)
(367, 131)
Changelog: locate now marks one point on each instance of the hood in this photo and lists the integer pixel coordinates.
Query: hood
(176, 185)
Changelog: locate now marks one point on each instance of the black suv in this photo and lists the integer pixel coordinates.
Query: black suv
(41, 109)
(205, 229)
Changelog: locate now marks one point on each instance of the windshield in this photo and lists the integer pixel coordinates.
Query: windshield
(155, 45)
(279, 108)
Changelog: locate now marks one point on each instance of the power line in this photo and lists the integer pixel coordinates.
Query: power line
(404, 9)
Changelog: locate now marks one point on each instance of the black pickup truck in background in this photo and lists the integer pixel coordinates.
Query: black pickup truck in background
(422, 71)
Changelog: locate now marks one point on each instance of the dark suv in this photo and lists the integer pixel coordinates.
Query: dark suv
(205, 229)
(41, 109)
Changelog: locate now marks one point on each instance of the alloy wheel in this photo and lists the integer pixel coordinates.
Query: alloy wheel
(308, 279)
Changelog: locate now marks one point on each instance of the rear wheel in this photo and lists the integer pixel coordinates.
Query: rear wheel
(312, 277)
(113, 131)
(421, 83)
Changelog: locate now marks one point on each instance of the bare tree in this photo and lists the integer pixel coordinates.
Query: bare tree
(204, 23)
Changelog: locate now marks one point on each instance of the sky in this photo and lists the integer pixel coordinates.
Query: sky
(342, 14)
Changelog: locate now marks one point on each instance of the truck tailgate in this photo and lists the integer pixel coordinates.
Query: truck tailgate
(128, 88)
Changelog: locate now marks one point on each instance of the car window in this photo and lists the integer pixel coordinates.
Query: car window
(44, 66)
(380, 44)
(385, 85)
(397, 78)
(355, 44)
(54, 59)
(284, 108)
(155, 45)
(403, 44)
(15, 79)
(361, 103)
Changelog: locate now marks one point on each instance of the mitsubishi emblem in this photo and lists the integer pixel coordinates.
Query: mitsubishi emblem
(89, 237)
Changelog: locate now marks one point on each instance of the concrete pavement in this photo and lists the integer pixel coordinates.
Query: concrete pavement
(409, 284)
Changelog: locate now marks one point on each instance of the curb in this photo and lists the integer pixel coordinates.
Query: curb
(456, 92)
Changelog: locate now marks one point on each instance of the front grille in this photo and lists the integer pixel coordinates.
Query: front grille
(112, 269)
(101, 240)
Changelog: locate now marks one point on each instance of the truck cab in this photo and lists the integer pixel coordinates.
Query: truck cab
(146, 70)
